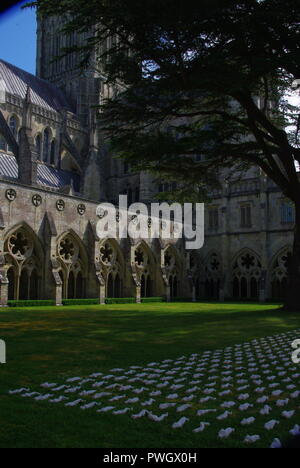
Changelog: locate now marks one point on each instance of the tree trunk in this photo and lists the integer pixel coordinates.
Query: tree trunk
(293, 292)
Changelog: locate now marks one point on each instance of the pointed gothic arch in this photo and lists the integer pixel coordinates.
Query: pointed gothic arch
(172, 265)
(24, 258)
(279, 273)
(213, 275)
(246, 274)
(73, 259)
(113, 265)
(144, 263)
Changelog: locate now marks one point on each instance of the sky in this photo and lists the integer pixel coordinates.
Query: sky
(18, 37)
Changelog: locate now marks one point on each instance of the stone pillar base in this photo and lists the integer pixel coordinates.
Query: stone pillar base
(3, 293)
(262, 295)
(102, 295)
(138, 294)
(168, 294)
(221, 295)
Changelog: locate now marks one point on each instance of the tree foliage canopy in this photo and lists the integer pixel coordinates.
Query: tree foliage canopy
(195, 79)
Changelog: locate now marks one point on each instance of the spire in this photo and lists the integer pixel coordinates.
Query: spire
(93, 128)
(27, 109)
(28, 95)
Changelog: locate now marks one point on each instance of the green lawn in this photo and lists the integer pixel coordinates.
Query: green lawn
(46, 344)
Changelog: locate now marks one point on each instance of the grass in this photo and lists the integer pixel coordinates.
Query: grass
(52, 344)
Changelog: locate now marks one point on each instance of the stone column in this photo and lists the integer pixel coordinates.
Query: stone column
(262, 286)
(168, 293)
(138, 294)
(222, 288)
(101, 282)
(58, 288)
(102, 294)
(3, 290)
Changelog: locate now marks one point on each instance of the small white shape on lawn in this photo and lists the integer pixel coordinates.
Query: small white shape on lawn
(271, 424)
(122, 411)
(224, 433)
(18, 390)
(276, 444)
(243, 396)
(288, 414)
(140, 414)
(201, 427)
(89, 405)
(205, 411)
(156, 418)
(265, 410)
(180, 422)
(105, 409)
(262, 399)
(166, 405)
(247, 421)
(44, 397)
(183, 408)
(251, 439)
(172, 396)
(132, 400)
(228, 404)
(281, 403)
(148, 402)
(74, 403)
(245, 406)
(295, 431)
(224, 415)
(59, 399)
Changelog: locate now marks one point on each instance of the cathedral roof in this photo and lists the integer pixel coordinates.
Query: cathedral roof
(47, 176)
(44, 94)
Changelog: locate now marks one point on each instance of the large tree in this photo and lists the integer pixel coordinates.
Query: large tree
(207, 78)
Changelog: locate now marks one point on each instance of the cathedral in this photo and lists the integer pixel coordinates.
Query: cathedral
(54, 172)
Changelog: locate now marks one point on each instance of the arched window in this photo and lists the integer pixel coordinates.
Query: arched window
(13, 126)
(279, 274)
(3, 145)
(46, 144)
(12, 123)
(25, 257)
(246, 274)
(38, 146)
(52, 152)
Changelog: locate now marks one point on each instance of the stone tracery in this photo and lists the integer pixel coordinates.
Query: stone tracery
(73, 266)
(247, 272)
(23, 264)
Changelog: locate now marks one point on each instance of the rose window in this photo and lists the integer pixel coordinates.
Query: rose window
(248, 261)
(214, 263)
(107, 254)
(19, 245)
(139, 257)
(67, 249)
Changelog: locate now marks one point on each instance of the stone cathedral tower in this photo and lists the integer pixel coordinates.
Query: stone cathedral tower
(85, 90)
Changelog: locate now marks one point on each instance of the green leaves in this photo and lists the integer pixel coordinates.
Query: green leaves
(217, 72)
